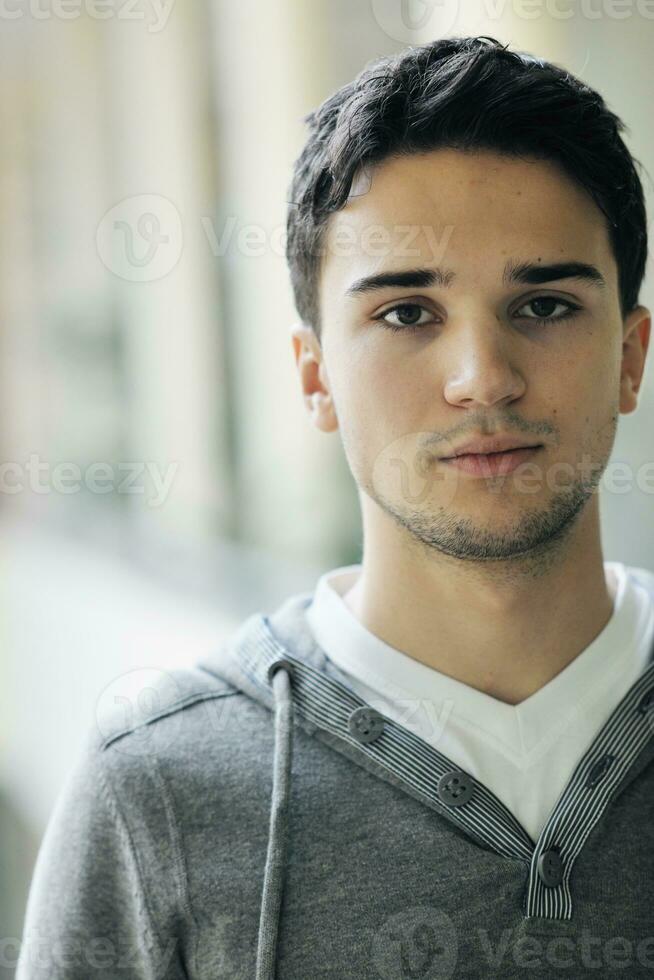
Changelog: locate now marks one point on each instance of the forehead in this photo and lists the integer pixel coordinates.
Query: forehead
(464, 210)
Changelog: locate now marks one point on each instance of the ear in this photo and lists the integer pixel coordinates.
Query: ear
(635, 341)
(313, 377)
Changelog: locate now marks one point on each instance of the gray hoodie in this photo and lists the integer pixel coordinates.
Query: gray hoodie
(260, 820)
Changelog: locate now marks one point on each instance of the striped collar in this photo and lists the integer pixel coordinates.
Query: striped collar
(325, 705)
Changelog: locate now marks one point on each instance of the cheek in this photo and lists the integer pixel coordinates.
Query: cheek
(385, 393)
(585, 376)
(395, 371)
(373, 408)
(582, 408)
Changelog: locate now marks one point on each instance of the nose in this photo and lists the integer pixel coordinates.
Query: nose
(480, 364)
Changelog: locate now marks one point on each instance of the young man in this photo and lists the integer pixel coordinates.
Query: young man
(441, 762)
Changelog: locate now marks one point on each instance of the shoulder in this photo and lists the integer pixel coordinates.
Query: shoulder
(160, 755)
(166, 719)
(169, 769)
(186, 728)
(643, 577)
(144, 698)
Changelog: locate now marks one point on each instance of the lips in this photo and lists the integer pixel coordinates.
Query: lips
(514, 449)
(485, 447)
(491, 464)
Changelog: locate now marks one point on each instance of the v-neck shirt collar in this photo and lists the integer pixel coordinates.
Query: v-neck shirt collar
(588, 687)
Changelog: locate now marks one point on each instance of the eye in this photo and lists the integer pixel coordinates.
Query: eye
(547, 304)
(411, 316)
(408, 316)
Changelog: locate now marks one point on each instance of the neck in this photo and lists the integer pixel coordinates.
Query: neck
(502, 627)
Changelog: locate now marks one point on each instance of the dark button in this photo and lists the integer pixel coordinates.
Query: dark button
(550, 868)
(275, 665)
(365, 723)
(647, 701)
(455, 788)
(599, 770)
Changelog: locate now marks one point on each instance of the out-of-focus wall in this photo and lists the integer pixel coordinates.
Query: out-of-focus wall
(612, 57)
(145, 317)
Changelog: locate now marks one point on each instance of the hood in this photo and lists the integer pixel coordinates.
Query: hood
(275, 660)
(262, 639)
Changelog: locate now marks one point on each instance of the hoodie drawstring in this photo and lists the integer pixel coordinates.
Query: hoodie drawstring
(273, 882)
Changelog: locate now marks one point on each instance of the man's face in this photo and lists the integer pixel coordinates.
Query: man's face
(470, 357)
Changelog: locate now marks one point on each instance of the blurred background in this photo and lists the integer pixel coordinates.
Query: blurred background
(172, 482)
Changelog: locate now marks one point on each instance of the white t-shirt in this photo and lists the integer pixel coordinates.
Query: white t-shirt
(524, 753)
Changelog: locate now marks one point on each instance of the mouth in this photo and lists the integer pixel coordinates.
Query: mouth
(492, 464)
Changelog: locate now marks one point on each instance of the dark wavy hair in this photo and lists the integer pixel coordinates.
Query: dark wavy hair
(464, 93)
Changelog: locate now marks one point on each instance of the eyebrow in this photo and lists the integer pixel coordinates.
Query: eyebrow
(514, 272)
